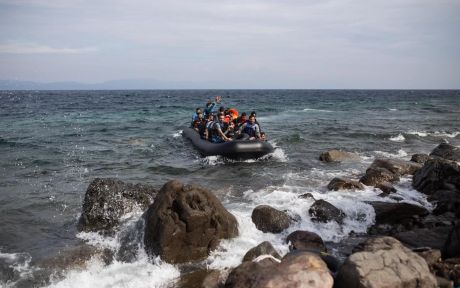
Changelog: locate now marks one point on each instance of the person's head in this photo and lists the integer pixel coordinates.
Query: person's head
(208, 103)
(221, 117)
(199, 112)
(210, 117)
(263, 136)
(252, 119)
(221, 109)
(253, 113)
(231, 124)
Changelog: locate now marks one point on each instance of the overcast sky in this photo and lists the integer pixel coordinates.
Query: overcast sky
(235, 44)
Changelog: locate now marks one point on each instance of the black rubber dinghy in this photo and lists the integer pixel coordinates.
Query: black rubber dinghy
(236, 149)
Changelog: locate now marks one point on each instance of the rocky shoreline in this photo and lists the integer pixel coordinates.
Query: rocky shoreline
(408, 245)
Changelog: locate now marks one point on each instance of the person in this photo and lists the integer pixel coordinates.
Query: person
(209, 109)
(217, 136)
(241, 120)
(251, 128)
(196, 121)
(263, 136)
(230, 129)
(197, 113)
(253, 113)
(205, 128)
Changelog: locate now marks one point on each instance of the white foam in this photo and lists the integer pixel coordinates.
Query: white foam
(399, 138)
(445, 134)
(19, 263)
(418, 133)
(393, 109)
(317, 110)
(399, 154)
(177, 134)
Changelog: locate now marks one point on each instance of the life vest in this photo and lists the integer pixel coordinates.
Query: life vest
(250, 129)
(215, 137)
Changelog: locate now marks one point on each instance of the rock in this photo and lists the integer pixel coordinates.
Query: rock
(323, 211)
(431, 256)
(449, 269)
(451, 248)
(301, 240)
(424, 237)
(307, 196)
(396, 166)
(107, 199)
(395, 213)
(420, 158)
(200, 279)
(384, 262)
(269, 219)
(444, 283)
(386, 188)
(338, 156)
(447, 151)
(185, 223)
(446, 201)
(344, 184)
(295, 270)
(437, 174)
(264, 248)
(376, 176)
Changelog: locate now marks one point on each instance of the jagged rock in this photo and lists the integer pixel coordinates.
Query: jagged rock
(338, 156)
(295, 270)
(424, 237)
(446, 151)
(386, 188)
(437, 174)
(420, 158)
(323, 211)
(344, 184)
(264, 248)
(384, 262)
(376, 176)
(107, 199)
(301, 240)
(451, 248)
(186, 222)
(395, 213)
(269, 219)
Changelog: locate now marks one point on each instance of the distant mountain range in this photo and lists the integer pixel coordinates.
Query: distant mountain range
(107, 85)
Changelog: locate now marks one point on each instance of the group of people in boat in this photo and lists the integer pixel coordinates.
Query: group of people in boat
(225, 124)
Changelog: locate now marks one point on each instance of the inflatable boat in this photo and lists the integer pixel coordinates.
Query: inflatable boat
(236, 149)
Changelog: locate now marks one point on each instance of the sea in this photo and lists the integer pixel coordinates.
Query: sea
(54, 143)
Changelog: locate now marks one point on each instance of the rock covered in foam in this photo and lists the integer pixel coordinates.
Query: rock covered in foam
(264, 248)
(341, 183)
(296, 270)
(269, 219)
(323, 211)
(107, 199)
(384, 262)
(186, 222)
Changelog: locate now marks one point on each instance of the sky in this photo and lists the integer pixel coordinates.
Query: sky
(309, 44)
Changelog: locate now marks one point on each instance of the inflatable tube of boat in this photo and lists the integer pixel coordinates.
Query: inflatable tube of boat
(237, 149)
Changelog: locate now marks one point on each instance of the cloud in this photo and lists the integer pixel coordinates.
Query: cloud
(29, 48)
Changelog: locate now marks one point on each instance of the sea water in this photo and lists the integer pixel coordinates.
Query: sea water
(53, 143)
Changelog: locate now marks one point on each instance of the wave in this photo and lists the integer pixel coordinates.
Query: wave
(177, 134)
(15, 266)
(399, 154)
(399, 138)
(434, 134)
(317, 110)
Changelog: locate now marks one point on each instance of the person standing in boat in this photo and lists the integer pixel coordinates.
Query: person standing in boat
(251, 128)
(217, 134)
(209, 109)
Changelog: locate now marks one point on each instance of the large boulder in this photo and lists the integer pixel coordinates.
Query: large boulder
(323, 211)
(305, 240)
(424, 237)
(437, 174)
(446, 201)
(107, 199)
(384, 262)
(451, 248)
(338, 156)
(446, 151)
(186, 222)
(396, 213)
(264, 248)
(340, 183)
(269, 219)
(397, 166)
(378, 175)
(295, 270)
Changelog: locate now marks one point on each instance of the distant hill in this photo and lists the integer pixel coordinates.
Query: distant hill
(108, 85)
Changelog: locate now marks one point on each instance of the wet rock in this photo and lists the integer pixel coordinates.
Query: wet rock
(431, 256)
(344, 184)
(305, 240)
(420, 158)
(437, 174)
(451, 248)
(264, 248)
(449, 269)
(307, 196)
(446, 151)
(396, 166)
(186, 222)
(424, 237)
(200, 279)
(395, 213)
(387, 188)
(376, 176)
(323, 211)
(107, 199)
(269, 219)
(445, 201)
(338, 156)
(130, 239)
(384, 262)
(295, 270)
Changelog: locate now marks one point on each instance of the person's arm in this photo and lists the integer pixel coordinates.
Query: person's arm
(257, 128)
(221, 134)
